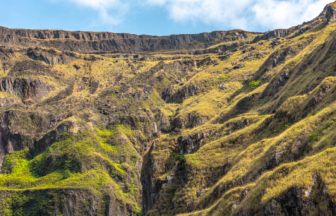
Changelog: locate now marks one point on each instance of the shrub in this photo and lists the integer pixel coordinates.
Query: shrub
(66, 174)
(314, 137)
(222, 77)
(180, 158)
(173, 114)
(254, 84)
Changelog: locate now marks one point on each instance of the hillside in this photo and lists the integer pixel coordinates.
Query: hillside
(223, 123)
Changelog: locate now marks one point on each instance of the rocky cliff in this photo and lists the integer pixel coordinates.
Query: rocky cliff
(112, 42)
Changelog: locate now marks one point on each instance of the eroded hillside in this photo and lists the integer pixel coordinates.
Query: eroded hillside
(222, 123)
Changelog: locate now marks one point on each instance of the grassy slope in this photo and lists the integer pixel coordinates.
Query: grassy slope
(249, 154)
(86, 160)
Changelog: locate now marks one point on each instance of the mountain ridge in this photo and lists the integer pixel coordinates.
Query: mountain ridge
(87, 41)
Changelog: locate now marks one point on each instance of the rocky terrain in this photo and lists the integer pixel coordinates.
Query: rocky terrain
(223, 123)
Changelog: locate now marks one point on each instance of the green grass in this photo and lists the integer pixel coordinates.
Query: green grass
(89, 160)
(254, 84)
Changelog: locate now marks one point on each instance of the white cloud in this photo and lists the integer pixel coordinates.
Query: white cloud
(243, 14)
(284, 14)
(207, 11)
(157, 2)
(110, 11)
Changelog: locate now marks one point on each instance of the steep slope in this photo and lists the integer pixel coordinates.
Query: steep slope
(225, 123)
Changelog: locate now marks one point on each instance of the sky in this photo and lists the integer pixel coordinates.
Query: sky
(158, 17)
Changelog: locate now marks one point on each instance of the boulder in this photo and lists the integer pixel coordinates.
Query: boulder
(222, 86)
(238, 66)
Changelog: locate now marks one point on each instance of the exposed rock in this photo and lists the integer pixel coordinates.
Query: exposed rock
(69, 202)
(294, 203)
(170, 95)
(194, 119)
(206, 61)
(199, 193)
(48, 57)
(222, 86)
(331, 14)
(190, 144)
(238, 66)
(26, 89)
(162, 122)
(223, 49)
(112, 42)
(170, 180)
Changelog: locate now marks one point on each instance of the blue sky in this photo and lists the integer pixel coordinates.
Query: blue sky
(158, 17)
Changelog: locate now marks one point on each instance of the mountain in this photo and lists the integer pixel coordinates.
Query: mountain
(222, 123)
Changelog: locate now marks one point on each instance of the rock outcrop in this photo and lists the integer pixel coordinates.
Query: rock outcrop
(27, 89)
(50, 57)
(331, 14)
(112, 42)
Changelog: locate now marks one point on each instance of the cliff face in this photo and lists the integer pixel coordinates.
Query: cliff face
(225, 123)
(111, 42)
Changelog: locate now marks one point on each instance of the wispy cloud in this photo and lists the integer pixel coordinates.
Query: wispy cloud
(228, 12)
(243, 14)
(110, 11)
(284, 14)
